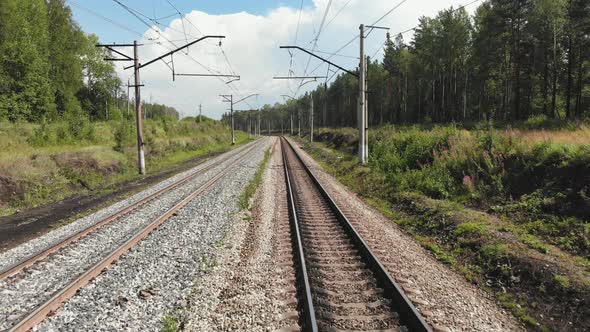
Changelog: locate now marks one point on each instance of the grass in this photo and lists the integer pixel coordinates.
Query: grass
(253, 185)
(170, 324)
(440, 184)
(42, 163)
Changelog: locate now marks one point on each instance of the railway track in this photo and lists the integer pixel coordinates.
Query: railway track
(342, 286)
(23, 282)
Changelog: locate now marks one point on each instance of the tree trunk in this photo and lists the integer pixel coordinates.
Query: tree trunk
(568, 93)
(545, 80)
(580, 82)
(554, 83)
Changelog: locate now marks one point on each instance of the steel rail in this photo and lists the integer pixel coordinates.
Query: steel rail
(55, 302)
(309, 320)
(400, 302)
(19, 266)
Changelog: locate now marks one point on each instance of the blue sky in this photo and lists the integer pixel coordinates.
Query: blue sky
(110, 33)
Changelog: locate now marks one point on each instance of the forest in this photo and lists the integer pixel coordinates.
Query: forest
(510, 61)
(50, 69)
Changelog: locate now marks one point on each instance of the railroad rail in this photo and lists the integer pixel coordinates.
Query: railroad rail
(341, 283)
(55, 247)
(33, 318)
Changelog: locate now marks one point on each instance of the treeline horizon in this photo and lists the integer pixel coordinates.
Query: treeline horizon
(51, 70)
(510, 61)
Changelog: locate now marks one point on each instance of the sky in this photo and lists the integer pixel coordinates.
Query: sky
(253, 30)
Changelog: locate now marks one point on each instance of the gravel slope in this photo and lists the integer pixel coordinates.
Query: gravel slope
(445, 298)
(157, 275)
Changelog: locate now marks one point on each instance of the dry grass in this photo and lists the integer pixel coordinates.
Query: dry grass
(580, 136)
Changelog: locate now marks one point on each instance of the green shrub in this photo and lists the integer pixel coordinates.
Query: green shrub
(123, 135)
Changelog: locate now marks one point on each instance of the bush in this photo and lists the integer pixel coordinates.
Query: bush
(123, 136)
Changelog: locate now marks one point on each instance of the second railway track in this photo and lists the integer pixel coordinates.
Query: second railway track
(36, 289)
(342, 286)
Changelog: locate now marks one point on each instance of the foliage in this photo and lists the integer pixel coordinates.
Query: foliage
(542, 186)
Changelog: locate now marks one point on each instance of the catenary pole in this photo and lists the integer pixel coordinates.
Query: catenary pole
(139, 120)
(362, 98)
(311, 122)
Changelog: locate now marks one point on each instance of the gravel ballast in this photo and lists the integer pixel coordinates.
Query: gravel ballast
(248, 290)
(23, 292)
(156, 277)
(31, 247)
(445, 298)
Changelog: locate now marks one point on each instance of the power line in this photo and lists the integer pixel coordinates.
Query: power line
(298, 21)
(74, 3)
(315, 41)
(358, 35)
(220, 47)
(211, 71)
(338, 13)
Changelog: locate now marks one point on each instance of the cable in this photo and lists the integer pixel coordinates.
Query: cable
(333, 54)
(315, 42)
(358, 35)
(75, 4)
(211, 71)
(298, 21)
(389, 12)
(338, 13)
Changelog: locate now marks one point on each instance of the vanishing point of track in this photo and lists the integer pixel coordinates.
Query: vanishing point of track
(341, 283)
(31, 319)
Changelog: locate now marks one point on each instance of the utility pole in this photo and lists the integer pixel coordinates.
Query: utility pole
(230, 99)
(291, 116)
(128, 86)
(362, 102)
(258, 124)
(200, 111)
(136, 67)
(311, 122)
(299, 122)
(325, 109)
(231, 109)
(140, 152)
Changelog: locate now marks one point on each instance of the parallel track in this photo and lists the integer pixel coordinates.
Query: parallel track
(341, 283)
(57, 299)
(53, 248)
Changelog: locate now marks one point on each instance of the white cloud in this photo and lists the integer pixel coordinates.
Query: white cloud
(252, 46)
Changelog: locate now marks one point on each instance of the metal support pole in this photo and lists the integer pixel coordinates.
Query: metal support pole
(324, 110)
(231, 108)
(128, 86)
(291, 116)
(299, 122)
(311, 122)
(361, 117)
(259, 133)
(139, 121)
